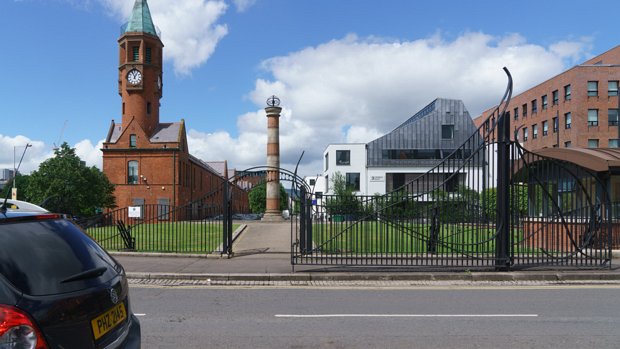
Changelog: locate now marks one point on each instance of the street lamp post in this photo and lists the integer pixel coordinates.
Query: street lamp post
(15, 168)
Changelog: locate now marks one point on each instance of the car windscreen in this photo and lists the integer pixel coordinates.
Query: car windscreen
(43, 257)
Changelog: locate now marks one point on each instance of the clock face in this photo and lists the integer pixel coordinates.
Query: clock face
(134, 77)
(159, 82)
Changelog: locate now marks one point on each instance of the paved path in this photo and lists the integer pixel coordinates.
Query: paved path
(264, 238)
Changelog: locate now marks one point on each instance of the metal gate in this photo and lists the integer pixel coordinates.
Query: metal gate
(491, 204)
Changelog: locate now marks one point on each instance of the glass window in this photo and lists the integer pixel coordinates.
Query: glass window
(327, 184)
(534, 131)
(556, 97)
(148, 55)
(132, 141)
(545, 128)
(132, 172)
(353, 181)
(592, 88)
(612, 116)
(62, 250)
(524, 108)
(312, 181)
(612, 88)
(567, 120)
(614, 143)
(343, 157)
(556, 125)
(148, 108)
(592, 117)
(447, 131)
(136, 53)
(326, 162)
(525, 134)
(516, 113)
(543, 100)
(534, 106)
(592, 143)
(567, 93)
(567, 144)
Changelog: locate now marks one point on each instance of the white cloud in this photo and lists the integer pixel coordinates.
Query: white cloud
(38, 152)
(89, 153)
(243, 5)
(354, 90)
(13, 150)
(361, 134)
(190, 29)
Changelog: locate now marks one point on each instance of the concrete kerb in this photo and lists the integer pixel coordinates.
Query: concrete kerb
(309, 277)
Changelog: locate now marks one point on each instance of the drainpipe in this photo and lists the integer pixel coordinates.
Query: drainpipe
(174, 178)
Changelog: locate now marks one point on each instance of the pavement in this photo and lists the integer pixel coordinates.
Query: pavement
(262, 255)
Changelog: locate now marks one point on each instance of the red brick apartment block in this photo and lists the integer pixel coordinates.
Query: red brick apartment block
(577, 108)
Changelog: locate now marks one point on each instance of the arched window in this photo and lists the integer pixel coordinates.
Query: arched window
(132, 172)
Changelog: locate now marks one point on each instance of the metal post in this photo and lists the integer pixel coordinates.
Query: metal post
(226, 233)
(308, 223)
(302, 219)
(14, 169)
(502, 245)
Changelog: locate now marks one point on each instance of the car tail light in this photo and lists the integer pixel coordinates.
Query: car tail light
(17, 331)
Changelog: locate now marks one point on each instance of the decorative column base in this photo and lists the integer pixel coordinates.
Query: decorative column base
(273, 216)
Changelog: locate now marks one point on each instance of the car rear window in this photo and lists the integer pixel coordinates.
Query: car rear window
(36, 256)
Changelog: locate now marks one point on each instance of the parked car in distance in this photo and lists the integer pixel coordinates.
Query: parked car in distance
(58, 287)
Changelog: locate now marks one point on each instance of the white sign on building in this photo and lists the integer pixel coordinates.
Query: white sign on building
(135, 212)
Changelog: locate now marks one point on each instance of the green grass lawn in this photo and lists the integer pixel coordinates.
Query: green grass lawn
(377, 237)
(180, 237)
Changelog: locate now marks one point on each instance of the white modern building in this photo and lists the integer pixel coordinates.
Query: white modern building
(410, 150)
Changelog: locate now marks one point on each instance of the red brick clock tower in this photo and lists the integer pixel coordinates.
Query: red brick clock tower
(149, 161)
(142, 156)
(140, 70)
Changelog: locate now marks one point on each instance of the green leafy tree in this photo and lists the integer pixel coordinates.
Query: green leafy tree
(462, 205)
(343, 202)
(65, 184)
(258, 198)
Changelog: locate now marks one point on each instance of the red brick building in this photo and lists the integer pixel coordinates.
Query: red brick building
(149, 161)
(577, 108)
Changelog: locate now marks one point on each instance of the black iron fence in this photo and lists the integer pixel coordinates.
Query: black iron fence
(490, 204)
(202, 226)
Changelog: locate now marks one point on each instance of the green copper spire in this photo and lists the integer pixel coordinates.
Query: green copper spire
(140, 20)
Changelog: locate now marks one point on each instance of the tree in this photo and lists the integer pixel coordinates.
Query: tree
(344, 201)
(65, 184)
(258, 198)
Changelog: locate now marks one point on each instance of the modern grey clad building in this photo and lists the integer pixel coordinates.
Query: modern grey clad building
(411, 149)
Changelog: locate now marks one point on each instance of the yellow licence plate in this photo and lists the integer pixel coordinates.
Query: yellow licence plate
(105, 322)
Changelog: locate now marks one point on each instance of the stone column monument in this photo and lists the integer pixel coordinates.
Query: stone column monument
(272, 212)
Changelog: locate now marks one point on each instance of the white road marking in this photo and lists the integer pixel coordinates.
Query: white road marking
(139, 314)
(403, 315)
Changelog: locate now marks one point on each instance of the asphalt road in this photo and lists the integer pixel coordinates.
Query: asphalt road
(442, 317)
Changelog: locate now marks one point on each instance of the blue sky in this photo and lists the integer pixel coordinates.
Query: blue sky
(345, 70)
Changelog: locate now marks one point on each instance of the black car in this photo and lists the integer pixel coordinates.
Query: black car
(58, 287)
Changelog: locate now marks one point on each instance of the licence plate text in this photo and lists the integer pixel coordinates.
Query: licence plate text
(105, 322)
